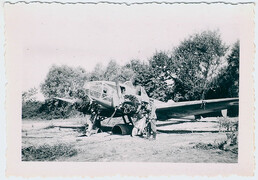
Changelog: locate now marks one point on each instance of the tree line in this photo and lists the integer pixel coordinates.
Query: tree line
(202, 66)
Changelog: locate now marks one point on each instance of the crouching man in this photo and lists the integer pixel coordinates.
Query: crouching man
(146, 122)
(94, 125)
(140, 125)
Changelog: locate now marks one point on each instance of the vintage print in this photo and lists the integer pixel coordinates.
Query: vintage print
(149, 83)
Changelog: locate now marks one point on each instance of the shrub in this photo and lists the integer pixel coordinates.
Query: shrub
(47, 152)
(228, 144)
(31, 109)
(50, 109)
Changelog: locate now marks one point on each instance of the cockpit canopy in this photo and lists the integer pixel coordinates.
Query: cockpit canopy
(100, 90)
(105, 90)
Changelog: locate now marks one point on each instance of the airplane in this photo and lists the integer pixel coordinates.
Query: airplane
(106, 99)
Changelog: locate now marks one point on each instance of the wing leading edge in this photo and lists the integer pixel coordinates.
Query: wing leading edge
(71, 101)
(187, 108)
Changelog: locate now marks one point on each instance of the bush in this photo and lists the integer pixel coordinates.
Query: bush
(50, 109)
(31, 109)
(228, 124)
(47, 152)
(230, 143)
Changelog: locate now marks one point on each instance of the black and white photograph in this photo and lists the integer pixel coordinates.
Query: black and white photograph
(140, 83)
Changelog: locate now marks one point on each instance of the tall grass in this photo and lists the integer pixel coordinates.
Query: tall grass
(47, 152)
(230, 143)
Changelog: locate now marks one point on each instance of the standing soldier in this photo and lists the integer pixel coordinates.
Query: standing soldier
(151, 125)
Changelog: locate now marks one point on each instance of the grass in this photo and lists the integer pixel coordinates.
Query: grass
(230, 143)
(47, 152)
(228, 124)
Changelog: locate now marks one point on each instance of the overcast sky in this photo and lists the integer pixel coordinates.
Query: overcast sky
(84, 35)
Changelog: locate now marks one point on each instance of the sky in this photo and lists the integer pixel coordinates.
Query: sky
(40, 35)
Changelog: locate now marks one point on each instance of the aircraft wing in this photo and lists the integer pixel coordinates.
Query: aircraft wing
(70, 101)
(187, 108)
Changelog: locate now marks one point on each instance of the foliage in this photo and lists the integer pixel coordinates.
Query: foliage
(141, 71)
(97, 73)
(226, 84)
(47, 152)
(31, 109)
(30, 106)
(63, 81)
(162, 72)
(113, 72)
(233, 70)
(227, 145)
(50, 109)
(230, 143)
(153, 76)
(125, 74)
(198, 60)
(29, 96)
(228, 124)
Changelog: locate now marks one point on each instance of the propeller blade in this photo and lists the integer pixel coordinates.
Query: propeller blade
(118, 89)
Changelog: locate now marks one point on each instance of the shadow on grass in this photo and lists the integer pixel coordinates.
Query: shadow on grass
(184, 131)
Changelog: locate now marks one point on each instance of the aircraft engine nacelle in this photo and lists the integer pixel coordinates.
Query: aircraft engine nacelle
(130, 104)
(129, 108)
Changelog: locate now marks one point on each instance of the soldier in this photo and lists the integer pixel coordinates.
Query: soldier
(140, 123)
(146, 120)
(139, 126)
(151, 125)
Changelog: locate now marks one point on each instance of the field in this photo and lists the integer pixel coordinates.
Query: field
(178, 140)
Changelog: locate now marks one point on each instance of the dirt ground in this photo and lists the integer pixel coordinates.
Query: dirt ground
(177, 141)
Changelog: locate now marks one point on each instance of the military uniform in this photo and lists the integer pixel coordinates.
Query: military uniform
(151, 125)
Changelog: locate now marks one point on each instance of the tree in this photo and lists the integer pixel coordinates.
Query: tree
(233, 70)
(30, 105)
(63, 81)
(29, 96)
(197, 61)
(226, 84)
(98, 73)
(125, 74)
(153, 76)
(162, 72)
(141, 72)
(112, 70)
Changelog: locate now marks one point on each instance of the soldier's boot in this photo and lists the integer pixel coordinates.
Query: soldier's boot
(154, 135)
(148, 130)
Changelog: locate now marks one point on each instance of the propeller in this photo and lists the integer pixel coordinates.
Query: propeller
(117, 96)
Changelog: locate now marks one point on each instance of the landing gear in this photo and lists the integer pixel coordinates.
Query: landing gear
(94, 123)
